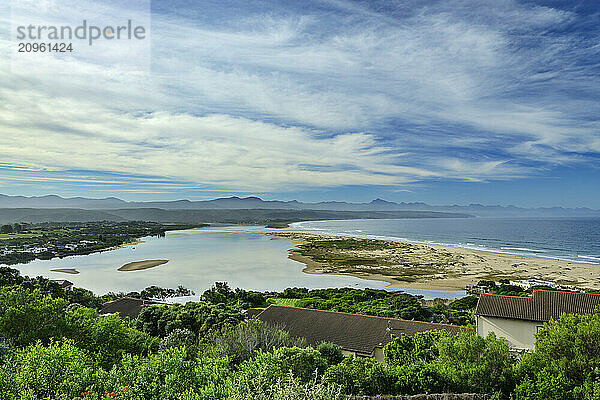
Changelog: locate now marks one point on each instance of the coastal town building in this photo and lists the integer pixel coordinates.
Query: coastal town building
(64, 284)
(358, 335)
(127, 306)
(518, 319)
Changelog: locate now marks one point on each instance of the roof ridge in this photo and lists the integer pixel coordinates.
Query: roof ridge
(362, 315)
(506, 295)
(565, 291)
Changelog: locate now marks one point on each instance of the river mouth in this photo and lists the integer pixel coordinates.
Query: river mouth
(197, 259)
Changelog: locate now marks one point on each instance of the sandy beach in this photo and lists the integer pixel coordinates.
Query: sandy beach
(413, 265)
(140, 265)
(72, 271)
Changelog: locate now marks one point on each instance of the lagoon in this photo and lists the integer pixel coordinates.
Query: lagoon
(197, 259)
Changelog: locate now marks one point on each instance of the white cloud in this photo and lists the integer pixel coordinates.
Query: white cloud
(279, 102)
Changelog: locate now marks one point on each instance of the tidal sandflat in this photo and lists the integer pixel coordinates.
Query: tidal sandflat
(139, 265)
(66, 270)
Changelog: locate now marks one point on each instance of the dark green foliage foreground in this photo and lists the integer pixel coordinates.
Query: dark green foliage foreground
(51, 348)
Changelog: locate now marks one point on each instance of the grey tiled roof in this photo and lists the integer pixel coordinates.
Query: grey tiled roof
(543, 305)
(126, 306)
(63, 283)
(353, 332)
(253, 312)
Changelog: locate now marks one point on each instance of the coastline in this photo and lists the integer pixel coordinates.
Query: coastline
(424, 266)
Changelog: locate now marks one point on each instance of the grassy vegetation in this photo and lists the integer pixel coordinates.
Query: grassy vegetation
(278, 224)
(284, 302)
(403, 262)
(380, 303)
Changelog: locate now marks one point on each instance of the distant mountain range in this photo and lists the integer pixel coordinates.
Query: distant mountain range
(256, 203)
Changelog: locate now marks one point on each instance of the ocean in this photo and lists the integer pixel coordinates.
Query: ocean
(572, 239)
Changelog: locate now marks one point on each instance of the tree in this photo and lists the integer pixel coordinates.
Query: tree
(200, 318)
(59, 370)
(108, 337)
(28, 316)
(220, 292)
(331, 352)
(361, 376)
(240, 342)
(6, 229)
(566, 360)
(406, 349)
(471, 363)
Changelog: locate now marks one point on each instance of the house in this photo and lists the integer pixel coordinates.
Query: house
(127, 306)
(358, 335)
(517, 319)
(253, 312)
(64, 284)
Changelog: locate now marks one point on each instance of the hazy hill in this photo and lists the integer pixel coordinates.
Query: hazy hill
(246, 203)
(239, 216)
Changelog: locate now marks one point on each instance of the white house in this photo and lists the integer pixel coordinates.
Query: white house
(517, 319)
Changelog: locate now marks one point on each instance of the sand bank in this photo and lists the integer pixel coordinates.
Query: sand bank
(66, 270)
(139, 265)
(421, 266)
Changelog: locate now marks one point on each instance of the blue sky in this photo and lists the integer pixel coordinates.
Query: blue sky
(436, 101)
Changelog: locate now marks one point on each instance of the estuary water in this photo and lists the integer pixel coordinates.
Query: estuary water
(573, 239)
(197, 259)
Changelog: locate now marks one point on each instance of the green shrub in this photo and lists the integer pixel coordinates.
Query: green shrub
(28, 316)
(417, 378)
(240, 342)
(165, 376)
(360, 376)
(304, 363)
(422, 346)
(109, 337)
(471, 363)
(566, 361)
(331, 352)
(180, 338)
(285, 388)
(60, 370)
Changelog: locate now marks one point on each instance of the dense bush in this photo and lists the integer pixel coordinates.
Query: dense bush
(331, 352)
(566, 361)
(109, 338)
(382, 303)
(28, 316)
(406, 349)
(199, 318)
(360, 375)
(59, 370)
(471, 363)
(51, 349)
(285, 388)
(179, 338)
(241, 342)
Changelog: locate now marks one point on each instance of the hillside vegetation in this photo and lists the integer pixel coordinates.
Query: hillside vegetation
(54, 347)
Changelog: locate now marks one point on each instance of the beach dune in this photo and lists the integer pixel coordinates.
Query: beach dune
(423, 266)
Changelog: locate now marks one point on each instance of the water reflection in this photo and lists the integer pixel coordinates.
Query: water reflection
(197, 259)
